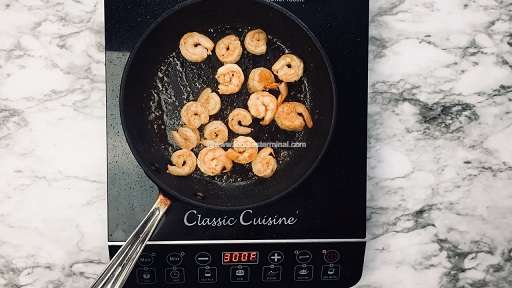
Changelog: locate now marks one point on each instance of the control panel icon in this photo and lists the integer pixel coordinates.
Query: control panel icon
(207, 274)
(175, 259)
(146, 275)
(330, 272)
(146, 259)
(175, 275)
(240, 273)
(275, 257)
(303, 273)
(271, 273)
(303, 256)
(331, 256)
(203, 258)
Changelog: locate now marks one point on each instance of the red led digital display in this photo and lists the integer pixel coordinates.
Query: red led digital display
(229, 258)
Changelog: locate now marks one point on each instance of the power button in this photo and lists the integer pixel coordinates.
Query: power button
(331, 256)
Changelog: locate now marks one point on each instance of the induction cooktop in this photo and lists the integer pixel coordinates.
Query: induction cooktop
(313, 236)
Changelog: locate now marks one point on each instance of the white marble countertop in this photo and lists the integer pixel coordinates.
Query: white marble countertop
(440, 158)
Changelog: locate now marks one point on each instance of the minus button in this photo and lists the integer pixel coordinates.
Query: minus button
(203, 258)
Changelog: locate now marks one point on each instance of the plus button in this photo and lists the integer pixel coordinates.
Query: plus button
(275, 257)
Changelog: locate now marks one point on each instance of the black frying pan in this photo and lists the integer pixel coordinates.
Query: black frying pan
(158, 81)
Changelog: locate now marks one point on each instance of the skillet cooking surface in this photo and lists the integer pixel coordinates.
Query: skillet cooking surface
(158, 81)
(180, 81)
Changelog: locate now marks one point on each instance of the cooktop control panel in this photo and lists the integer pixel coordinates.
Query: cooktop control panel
(248, 265)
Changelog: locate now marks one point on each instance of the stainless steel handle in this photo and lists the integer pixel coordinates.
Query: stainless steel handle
(119, 268)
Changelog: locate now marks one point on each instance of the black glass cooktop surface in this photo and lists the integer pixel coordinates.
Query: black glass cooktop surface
(329, 204)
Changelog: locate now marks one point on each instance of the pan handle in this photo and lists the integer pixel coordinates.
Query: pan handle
(119, 268)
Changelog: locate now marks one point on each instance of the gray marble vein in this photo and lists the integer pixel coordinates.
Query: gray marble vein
(439, 144)
(52, 143)
(439, 153)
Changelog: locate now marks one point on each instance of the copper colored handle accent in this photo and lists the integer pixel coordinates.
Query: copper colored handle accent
(119, 268)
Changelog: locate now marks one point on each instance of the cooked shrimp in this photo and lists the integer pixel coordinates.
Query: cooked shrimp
(288, 68)
(194, 114)
(213, 161)
(229, 49)
(283, 92)
(265, 164)
(230, 78)
(186, 137)
(239, 118)
(261, 79)
(262, 105)
(184, 163)
(244, 150)
(195, 47)
(256, 42)
(215, 133)
(288, 118)
(210, 100)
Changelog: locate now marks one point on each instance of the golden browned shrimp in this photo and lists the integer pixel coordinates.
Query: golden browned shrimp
(230, 78)
(256, 42)
(213, 161)
(261, 79)
(184, 163)
(288, 68)
(215, 133)
(262, 105)
(186, 137)
(229, 49)
(239, 118)
(265, 164)
(210, 100)
(194, 114)
(195, 47)
(244, 150)
(283, 92)
(288, 118)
